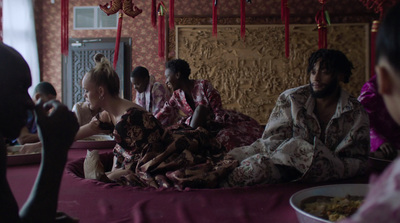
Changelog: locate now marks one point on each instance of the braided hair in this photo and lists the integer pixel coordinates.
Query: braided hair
(334, 61)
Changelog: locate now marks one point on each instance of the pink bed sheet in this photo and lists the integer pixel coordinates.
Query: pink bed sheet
(93, 201)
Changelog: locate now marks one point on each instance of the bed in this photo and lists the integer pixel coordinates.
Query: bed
(93, 201)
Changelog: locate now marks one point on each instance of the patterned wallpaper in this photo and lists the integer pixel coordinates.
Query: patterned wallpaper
(144, 36)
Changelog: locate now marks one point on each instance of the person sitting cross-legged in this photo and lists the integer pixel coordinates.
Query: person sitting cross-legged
(316, 132)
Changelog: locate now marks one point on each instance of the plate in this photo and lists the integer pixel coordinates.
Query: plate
(334, 190)
(15, 158)
(94, 142)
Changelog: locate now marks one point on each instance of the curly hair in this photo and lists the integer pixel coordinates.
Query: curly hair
(140, 72)
(179, 65)
(334, 61)
(104, 75)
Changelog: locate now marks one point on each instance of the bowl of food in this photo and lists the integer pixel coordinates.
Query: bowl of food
(327, 204)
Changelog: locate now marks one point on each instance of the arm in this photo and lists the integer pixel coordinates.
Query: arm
(92, 128)
(349, 158)
(56, 131)
(374, 106)
(278, 129)
(160, 96)
(26, 137)
(214, 100)
(169, 113)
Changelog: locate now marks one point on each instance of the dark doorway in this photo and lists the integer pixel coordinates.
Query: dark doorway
(80, 60)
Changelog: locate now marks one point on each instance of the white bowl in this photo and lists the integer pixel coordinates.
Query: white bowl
(335, 190)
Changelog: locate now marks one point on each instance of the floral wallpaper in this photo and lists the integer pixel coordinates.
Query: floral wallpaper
(145, 37)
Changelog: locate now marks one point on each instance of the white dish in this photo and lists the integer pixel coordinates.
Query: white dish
(94, 142)
(335, 190)
(15, 158)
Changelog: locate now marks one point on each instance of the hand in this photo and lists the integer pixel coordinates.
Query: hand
(389, 152)
(56, 129)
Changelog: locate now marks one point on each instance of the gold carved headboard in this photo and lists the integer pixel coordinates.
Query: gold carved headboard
(251, 74)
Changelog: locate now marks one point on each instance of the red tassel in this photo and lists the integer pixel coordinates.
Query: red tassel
(322, 29)
(171, 14)
(214, 17)
(153, 13)
(283, 11)
(374, 31)
(242, 19)
(286, 31)
(161, 33)
(118, 39)
(64, 26)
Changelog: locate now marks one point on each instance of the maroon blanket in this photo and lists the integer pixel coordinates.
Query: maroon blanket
(93, 201)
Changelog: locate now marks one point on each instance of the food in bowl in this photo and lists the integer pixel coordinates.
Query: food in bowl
(332, 208)
(333, 190)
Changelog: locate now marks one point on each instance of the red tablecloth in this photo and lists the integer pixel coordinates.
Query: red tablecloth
(92, 201)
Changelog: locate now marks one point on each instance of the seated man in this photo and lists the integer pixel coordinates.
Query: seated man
(384, 131)
(46, 92)
(56, 130)
(151, 95)
(316, 132)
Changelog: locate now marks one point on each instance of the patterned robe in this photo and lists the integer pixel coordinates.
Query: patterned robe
(382, 126)
(163, 159)
(233, 128)
(292, 141)
(154, 97)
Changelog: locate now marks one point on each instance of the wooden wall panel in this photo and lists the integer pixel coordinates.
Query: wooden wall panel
(251, 74)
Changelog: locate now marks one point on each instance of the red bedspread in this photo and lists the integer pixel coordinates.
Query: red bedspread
(92, 201)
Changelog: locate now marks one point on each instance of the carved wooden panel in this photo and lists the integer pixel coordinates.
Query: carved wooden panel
(251, 74)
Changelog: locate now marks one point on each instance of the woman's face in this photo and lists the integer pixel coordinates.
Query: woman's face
(172, 80)
(91, 93)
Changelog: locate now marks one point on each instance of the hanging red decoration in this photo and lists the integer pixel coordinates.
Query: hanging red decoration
(242, 19)
(322, 20)
(64, 26)
(117, 41)
(171, 14)
(153, 13)
(285, 18)
(121, 6)
(374, 31)
(378, 6)
(161, 29)
(214, 17)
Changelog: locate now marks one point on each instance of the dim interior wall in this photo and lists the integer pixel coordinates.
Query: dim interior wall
(144, 36)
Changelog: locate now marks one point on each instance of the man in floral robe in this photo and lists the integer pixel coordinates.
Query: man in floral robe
(316, 132)
(151, 95)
